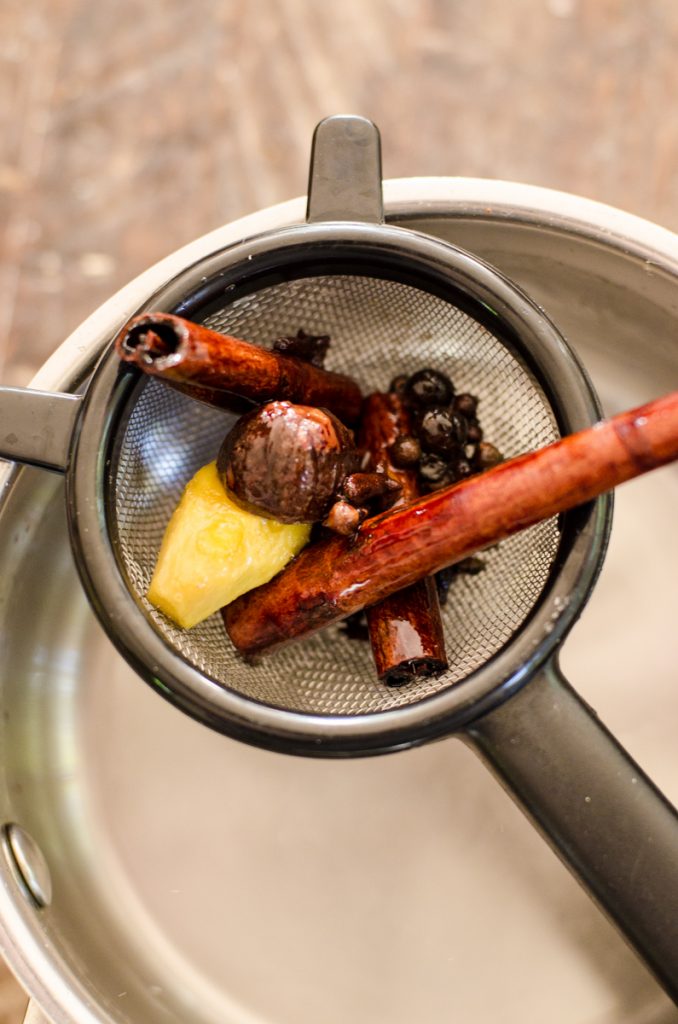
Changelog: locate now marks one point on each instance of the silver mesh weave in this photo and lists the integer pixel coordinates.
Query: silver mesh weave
(379, 329)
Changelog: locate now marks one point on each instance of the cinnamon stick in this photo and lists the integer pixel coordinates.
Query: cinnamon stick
(335, 578)
(209, 366)
(405, 629)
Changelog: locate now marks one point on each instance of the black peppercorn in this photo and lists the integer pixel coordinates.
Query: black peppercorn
(355, 627)
(461, 468)
(470, 566)
(441, 431)
(429, 387)
(444, 579)
(438, 485)
(432, 469)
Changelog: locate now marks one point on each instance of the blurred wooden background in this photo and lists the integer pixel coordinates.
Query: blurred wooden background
(128, 129)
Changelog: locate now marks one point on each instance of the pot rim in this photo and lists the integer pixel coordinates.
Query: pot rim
(405, 199)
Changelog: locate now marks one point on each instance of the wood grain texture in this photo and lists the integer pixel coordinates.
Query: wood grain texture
(12, 998)
(129, 129)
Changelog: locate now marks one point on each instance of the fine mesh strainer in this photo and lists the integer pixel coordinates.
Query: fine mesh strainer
(393, 301)
(377, 326)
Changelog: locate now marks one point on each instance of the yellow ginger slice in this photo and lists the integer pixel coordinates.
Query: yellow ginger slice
(213, 551)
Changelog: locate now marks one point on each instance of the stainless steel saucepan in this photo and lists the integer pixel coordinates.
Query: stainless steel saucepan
(157, 871)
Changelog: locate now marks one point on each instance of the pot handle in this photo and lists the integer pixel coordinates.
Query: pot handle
(36, 427)
(600, 812)
(34, 1015)
(345, 175)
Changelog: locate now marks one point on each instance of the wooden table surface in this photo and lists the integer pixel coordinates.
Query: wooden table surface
(128, 129)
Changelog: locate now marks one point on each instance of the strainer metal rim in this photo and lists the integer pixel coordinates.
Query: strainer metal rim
(241, 717)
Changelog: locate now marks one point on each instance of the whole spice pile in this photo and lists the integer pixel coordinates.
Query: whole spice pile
(436, 441)
(446, 443)
(292, 471)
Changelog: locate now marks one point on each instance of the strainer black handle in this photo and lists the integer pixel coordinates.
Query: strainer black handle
(598, 809)
(591, 801)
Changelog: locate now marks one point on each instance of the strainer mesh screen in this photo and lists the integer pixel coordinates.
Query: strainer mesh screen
(379, 328)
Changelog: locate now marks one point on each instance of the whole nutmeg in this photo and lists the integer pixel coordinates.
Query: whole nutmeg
(287, 461)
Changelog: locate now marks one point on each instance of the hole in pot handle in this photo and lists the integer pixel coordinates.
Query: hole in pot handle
(36, 427)
(596, 807)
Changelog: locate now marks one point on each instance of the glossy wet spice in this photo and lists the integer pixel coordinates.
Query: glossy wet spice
(300, 464)
(405, 630)
(212, 366)
(287, 461)
(332, 579)
(424, 436)
(297, 463)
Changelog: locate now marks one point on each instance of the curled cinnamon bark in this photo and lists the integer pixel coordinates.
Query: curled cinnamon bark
(211, 366)
(405, 629)
(335, 578)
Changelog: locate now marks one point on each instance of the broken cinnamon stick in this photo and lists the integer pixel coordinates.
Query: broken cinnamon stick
(210, 366)
(332, 579)
(405, 629)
